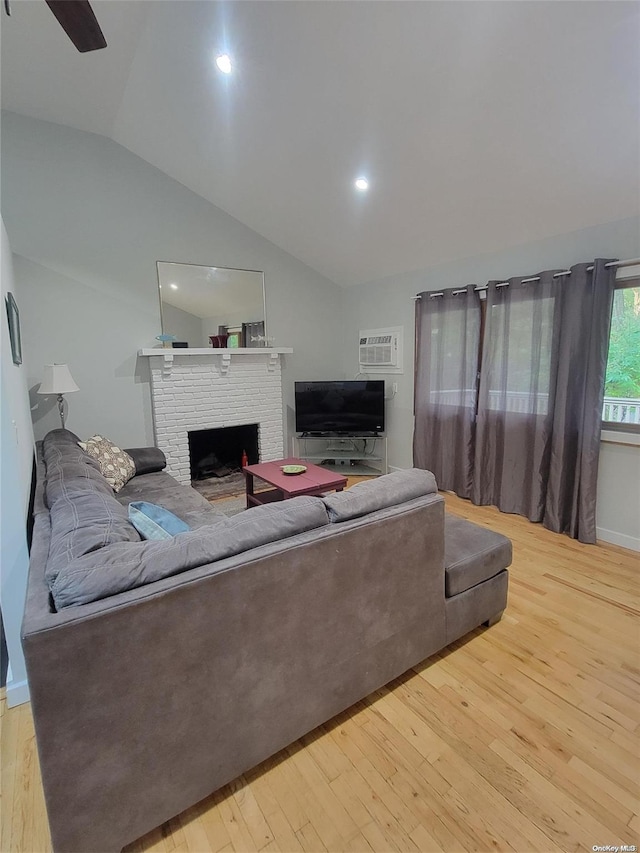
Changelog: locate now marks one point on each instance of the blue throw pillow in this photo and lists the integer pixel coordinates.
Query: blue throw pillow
(155, 522)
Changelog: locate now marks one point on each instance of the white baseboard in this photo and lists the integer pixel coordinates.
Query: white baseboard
(622, 539)
(17, 693)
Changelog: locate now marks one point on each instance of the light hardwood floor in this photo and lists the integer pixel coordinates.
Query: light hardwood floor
(520, 737)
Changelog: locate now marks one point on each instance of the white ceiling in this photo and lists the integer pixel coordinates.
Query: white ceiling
(481, 125)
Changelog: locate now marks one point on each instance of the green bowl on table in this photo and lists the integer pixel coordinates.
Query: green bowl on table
(293, 469)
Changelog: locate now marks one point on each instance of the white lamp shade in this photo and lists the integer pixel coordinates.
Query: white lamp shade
(57, 380)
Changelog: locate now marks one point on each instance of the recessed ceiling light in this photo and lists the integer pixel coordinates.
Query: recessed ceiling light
(361, 184)
(174, 286)
(224, 63)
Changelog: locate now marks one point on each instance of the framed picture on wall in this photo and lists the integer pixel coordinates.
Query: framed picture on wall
(13, 316)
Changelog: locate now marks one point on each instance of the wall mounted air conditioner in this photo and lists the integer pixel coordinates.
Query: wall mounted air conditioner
(380, 350)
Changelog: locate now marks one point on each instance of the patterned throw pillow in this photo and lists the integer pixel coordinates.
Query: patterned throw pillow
(117, 467)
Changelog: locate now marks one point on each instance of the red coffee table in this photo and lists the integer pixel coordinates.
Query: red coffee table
(314, 481)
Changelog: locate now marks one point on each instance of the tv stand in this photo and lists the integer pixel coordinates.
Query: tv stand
(330, 434)
(351, 455)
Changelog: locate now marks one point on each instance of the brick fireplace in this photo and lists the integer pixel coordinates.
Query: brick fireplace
(205, 389)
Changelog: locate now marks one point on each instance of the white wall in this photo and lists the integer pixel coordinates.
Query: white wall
(388, 302)
(16, 461)
(618, 502)
(89, 220)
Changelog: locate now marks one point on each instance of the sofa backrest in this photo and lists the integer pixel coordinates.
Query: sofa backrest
(372, 495)
(84, 513)
(125, 565)
(94, 552)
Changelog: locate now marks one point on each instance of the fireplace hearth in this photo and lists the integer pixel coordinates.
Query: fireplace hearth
(211, 466)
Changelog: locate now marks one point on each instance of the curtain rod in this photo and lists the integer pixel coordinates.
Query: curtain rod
(629, 263)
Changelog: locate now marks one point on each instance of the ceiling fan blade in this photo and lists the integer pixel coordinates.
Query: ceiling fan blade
(78, 21)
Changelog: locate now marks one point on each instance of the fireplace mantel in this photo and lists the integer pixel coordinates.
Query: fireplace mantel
(168, 354)
(164, 351)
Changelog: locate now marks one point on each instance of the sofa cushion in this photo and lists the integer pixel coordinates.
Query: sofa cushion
(68, 467)
(84, 513)
(160, 488)
(472, 554)
(124, 566)
(155, 522)
(116, 465)
(83, 521)
(388, 490)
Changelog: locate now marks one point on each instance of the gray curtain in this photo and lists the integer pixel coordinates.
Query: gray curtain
(447, 340)
(515, 398)
(581, 338)
(536, 441)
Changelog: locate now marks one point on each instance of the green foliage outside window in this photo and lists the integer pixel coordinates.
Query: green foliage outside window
(623, 364)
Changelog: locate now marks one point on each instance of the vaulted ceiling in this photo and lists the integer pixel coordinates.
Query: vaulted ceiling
(480, 125)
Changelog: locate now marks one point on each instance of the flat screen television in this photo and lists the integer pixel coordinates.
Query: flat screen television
(352, 407)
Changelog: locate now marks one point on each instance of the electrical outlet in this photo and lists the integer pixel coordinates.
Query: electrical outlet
(394, 387)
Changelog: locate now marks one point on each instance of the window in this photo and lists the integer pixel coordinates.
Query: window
(235, 337)
(517, 357)
(621, 409)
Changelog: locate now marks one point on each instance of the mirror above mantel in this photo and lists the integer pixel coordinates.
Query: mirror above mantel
(198, 303)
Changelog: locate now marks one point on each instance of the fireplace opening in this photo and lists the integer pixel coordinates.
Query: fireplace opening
(217, 453)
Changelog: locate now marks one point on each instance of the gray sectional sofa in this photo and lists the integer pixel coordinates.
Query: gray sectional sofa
(159, 671)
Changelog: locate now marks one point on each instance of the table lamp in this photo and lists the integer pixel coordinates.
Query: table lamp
(58, 380)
